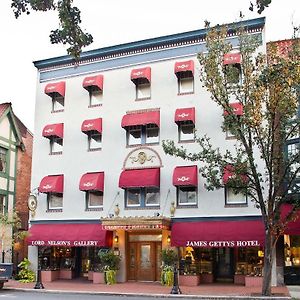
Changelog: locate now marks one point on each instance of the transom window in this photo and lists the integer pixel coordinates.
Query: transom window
(94, 140)
(58, 103)
(56, 145)
(3, 159)
(143, 91)
(186, 195)
(55, 201)
(186, 131)
(94, 199)
(142, 197)
(185, 85)
(140, 135)
(235, 197)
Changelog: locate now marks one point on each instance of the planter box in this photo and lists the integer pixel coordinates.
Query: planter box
(48, 275)
(90, 275)
(239, 279)
(206, 278)
(66, 274)
(252, 281)
(98, 277)
(189, 280)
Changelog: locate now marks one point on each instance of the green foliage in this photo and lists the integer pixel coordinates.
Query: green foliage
(69, 31)
(110, 276)
(167, 276)
(169, 257)
(260, 5)
(109, 261)
(25, 274)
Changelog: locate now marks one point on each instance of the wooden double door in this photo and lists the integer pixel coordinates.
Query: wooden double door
(144, 261)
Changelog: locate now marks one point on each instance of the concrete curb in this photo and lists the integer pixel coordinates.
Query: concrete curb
(206, 297)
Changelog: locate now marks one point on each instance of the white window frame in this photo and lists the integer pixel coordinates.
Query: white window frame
(193, 189)
(58, 103)
(50, 198)
(181, 136)
(95, 96)
(229, 193)
(97, 194)
(185, 80)
(91, 140)
(54, 142)
(143, 91)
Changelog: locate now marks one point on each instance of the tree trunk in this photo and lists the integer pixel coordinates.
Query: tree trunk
(268, 262)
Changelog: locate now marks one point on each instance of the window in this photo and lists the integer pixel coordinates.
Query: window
(140, 135)
(233, 73)
(56, 145)
(186, 131)
(55, 201)
(2, 204)
(185, 85)
(143, 91)
(235, 197)
(3, 159)
(58, 103)
(142, 197)
(94, 140)
(293, 155)
(186, 195)
(95, 96)
(94, 199)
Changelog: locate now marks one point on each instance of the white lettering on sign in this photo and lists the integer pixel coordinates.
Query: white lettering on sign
(49, 130)
(183, 66)
(88, 184)
(183, 115)
(47, 186)
(88, 125)
(138, 73)
(88, 81)
(51, 87)
(183, 178)
(65, 243)
(218, 244)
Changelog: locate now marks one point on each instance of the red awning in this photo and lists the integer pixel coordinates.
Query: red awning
(230, 173)
(92, 125)
(184, 69)
(93, 82)
(218, 233)
(92, 182)
(55, 89)
(150, 117)
(54, 130)
(293, 227)
(52, 184)
(232, 58)
(140, 178)
(69, 235)
(185, 176)
(237, 108)
(142, 75)
(185, 114)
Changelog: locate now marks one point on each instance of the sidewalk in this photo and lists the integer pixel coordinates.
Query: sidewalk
(148, 289)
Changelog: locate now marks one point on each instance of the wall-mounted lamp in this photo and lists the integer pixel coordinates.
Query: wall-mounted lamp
(260, 253)
(168, 239)
(116, 239)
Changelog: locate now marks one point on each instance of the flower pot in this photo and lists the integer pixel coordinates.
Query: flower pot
(253, 281)
(49, 275)
(90, 275)
(239, 279)
(66, 274)
(189, 280)
(98, 277)
(206, 278)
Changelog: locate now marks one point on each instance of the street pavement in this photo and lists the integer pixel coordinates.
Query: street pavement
(294, 291)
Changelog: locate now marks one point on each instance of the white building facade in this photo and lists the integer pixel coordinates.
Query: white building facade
(100, 178)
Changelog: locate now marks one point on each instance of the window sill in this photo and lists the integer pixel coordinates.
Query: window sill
(95, 149)
(186, 93)
(56, 153)
(94, 209)
(139, 145)
(230, 137)
(186, 142)
(236, 205)
(54, 210)
(95, 105)
(142, 99)
(57, 111)
(142, 207)
(180, 206)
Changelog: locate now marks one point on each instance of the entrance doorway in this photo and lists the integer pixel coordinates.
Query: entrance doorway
(144, 261)
(223, 264)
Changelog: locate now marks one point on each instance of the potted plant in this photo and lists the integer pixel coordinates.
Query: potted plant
(25, 274)
(169, 257)
(109, 263)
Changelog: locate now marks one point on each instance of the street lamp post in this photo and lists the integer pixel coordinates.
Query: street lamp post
(39, 285)
(175, 288)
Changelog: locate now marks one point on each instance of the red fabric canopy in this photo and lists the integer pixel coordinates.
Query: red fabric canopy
(69, 235)
(93, 82)
(218, 233)
(92, 125)
(237, 108)
(293, 227)
(185, 176)
(92, 182)
(232, 58)
(185, 114)
(52, 184)
(150, 117)
(54, 89)
(142, 75)
(54, 130)
(184, 68)
(229, 173)
(140, 178)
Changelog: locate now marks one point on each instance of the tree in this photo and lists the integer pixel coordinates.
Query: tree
(260, 5)
(269, 101)
(69, 31)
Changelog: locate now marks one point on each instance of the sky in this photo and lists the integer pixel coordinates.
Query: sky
(113, 22)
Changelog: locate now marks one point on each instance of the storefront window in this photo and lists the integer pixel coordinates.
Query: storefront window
(292, 250)
(249, 261)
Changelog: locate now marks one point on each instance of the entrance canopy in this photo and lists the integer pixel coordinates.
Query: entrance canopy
(218, 233)
(69, 235)
(292, 227)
